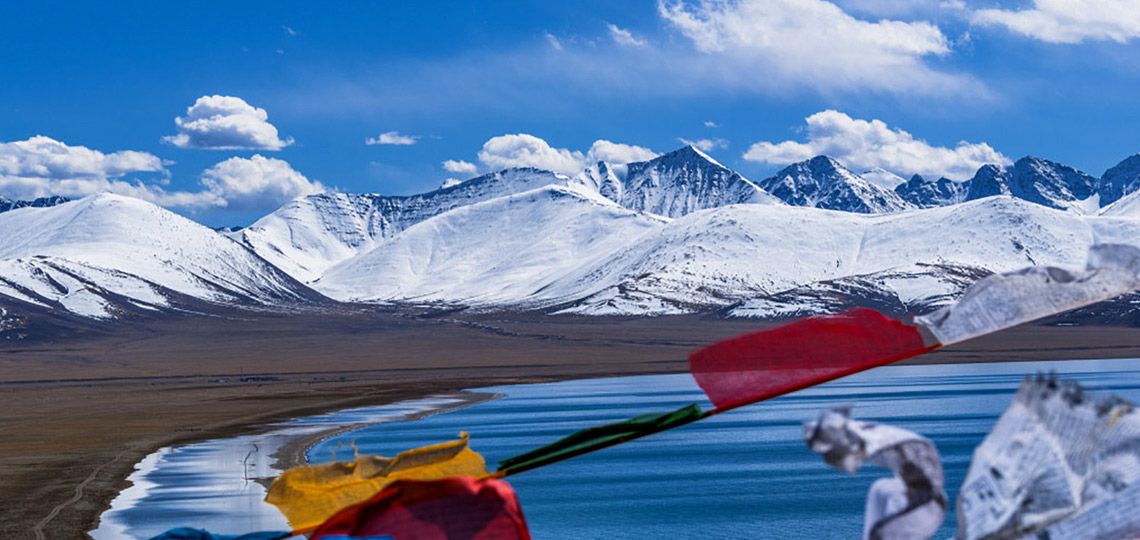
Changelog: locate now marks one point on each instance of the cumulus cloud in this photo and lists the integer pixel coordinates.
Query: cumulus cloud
(1069, 21)
(226, 123)
(460, 166)
(862, 145)
(394, 138)
(705, 145)
(813, 43)
(624, 37)
(523, 150)
(711, 124)
(42, 166)
(256, 183)
(617, 153)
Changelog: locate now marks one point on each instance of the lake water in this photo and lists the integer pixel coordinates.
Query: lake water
(743, 474)
(212, 484)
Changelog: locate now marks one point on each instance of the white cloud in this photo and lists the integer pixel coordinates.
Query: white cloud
(288, 30)
(705, 145)
(553, 41)
(42, 166)
(44, 157)
(1069, 21)
(394, 138)
(524, 150)
(711, 124)
(450, 182)
(780, 43)
(226, 123)
(624, 37)
(460, 166)
(256, 183)
(617, 153)
(862, 145)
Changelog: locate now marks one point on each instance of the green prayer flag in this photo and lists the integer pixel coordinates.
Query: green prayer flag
(599, 437)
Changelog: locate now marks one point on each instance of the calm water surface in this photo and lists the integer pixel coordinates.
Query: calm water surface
(744, 474)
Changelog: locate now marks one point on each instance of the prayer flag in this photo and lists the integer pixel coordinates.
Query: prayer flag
(910, 504)
(450, 509)
(187, 533)
(809, 351)
(1004, 300)
(596, 438)
(309, 495)
(803, 353)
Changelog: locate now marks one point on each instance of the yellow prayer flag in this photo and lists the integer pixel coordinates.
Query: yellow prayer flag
(310, 494)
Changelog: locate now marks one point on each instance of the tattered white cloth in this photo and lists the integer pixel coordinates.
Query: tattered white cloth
(1059, 465)
(909, 505)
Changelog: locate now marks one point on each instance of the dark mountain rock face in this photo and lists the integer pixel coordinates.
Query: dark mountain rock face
(684, 181)
(42, 202)
(1035, 180)
(1049, 183)
(821, 182)
(1120, 180)
(990, 180)
(924, 194)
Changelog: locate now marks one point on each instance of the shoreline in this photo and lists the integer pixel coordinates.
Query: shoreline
(207, 468)
(117, 470)
(294, 452)
(89, 410)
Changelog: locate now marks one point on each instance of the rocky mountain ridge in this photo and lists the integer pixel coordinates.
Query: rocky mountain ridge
(680, 233)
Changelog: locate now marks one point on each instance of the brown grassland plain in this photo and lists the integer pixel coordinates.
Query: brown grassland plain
(76, 414)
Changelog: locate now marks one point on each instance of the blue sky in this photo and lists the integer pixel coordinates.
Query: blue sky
(92, 92)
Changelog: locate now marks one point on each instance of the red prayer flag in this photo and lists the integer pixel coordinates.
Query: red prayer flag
(803, 353)
(461, 508)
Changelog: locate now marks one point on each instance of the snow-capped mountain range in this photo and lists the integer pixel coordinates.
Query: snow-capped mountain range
(680, 233)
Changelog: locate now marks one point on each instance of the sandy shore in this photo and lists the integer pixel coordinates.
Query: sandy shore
(85, 411)
(293, 453)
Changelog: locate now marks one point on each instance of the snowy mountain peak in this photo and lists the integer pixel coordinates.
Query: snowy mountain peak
(923, 194)
(105, 255)
(7, 204)
(692, 152)
(310, 234)
(509, 250)
(604, 179)
(1039, 181)
(1120, 180)
(684, 181)
(822, 182)
(1052, 184)
(990, 180)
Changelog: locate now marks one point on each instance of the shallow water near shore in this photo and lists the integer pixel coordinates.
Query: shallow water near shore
(744, 474)
(213, 484)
